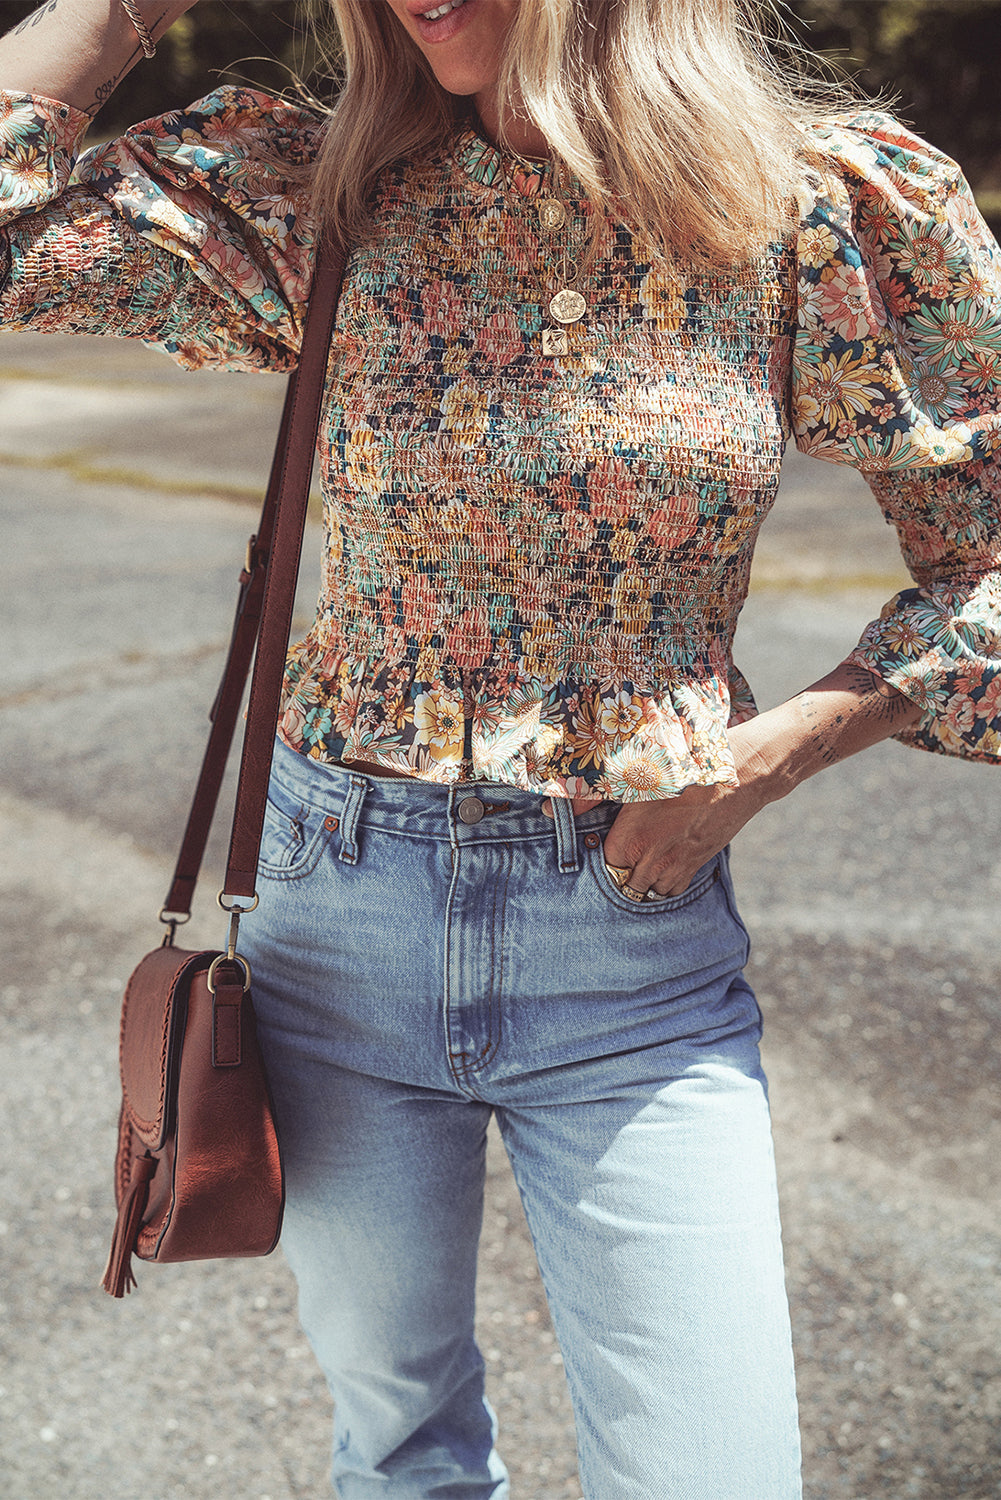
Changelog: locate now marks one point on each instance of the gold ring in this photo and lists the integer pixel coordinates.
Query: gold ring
(627, 890)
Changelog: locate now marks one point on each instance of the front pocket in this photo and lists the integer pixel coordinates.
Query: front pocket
(703, 881)
(293, 837)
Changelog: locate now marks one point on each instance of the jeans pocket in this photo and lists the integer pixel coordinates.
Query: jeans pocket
(293, 837)
(703, 881)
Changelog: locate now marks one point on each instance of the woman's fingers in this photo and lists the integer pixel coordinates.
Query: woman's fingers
(663, 844)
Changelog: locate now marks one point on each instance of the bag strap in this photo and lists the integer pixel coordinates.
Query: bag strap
(263, 615)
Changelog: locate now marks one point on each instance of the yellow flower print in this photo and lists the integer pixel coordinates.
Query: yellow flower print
(540, 654)
(631, 601)
(841, 387)
(902, 635)
(466, 410)
(662, 294)
(817, 245)
(587, 740)
(428, 664)
(622, 544)
(438, 720)
(29, 169)
(621, 715)
(363, 457)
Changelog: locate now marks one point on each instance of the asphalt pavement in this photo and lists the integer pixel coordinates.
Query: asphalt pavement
(872, 894)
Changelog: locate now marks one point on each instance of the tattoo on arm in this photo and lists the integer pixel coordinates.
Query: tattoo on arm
(877, 697)
(104, 91)
(827, 751)
(36, 16)
(877, 702)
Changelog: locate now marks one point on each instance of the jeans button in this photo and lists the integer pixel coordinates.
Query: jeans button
(471, 809)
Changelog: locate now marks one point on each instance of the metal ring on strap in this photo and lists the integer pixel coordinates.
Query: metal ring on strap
(228, 958)
(232, 906)
(174, 919)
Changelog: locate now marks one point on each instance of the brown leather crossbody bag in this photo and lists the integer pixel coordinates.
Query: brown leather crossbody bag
(198, 1171)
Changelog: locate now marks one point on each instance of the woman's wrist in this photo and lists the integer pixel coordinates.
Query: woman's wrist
(78, 51)
(841, 714)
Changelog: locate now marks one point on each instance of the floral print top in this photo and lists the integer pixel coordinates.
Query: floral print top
(533, 564)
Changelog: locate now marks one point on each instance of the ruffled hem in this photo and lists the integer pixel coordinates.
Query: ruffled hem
(605, 740)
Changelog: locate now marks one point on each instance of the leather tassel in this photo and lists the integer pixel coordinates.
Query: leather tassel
(118, 1278)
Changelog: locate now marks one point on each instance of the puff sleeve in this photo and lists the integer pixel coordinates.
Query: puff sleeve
(897, 371)
(192, 231)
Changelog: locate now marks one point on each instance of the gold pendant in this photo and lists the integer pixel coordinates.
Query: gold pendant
(555, 341)
(552, 214)
(568, 306)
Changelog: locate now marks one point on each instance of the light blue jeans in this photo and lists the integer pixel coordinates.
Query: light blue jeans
(421, 962)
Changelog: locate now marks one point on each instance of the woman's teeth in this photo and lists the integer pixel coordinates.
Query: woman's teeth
(443, 10)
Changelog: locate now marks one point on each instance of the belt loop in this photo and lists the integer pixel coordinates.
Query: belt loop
(349, 820)
(566, 835)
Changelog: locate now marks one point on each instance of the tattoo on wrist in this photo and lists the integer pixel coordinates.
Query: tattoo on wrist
(104, 91)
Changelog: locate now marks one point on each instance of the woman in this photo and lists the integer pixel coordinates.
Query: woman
(580, 320)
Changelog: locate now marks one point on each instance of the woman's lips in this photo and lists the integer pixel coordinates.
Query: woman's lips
(448, 26)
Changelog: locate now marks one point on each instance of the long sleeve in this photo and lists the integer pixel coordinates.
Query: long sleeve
(897, 371)
(193, 231)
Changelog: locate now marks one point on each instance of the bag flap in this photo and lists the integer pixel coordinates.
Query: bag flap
(153, 1016)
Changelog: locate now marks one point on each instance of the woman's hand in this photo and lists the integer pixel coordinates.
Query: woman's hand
(658, 847)
(664, 843)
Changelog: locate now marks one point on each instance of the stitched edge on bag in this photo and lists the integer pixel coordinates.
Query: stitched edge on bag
(138, 1123)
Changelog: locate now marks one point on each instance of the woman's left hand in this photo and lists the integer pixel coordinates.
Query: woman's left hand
(663, 844)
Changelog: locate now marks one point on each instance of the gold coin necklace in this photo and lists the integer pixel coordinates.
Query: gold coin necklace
(567, 305)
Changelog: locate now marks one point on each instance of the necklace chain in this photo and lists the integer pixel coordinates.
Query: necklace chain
(568, 305)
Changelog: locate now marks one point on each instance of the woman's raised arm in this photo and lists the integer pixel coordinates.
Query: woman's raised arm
(78, 51)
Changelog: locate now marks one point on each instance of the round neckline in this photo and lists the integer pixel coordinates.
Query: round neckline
(481, 160)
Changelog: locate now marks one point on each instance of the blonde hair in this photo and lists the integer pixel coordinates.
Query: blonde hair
(674, 114)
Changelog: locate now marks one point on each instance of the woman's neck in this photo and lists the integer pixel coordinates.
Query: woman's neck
(521, 136)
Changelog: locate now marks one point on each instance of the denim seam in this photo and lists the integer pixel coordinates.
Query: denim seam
(731, 907)
(462, 1071)
(494, 1007)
